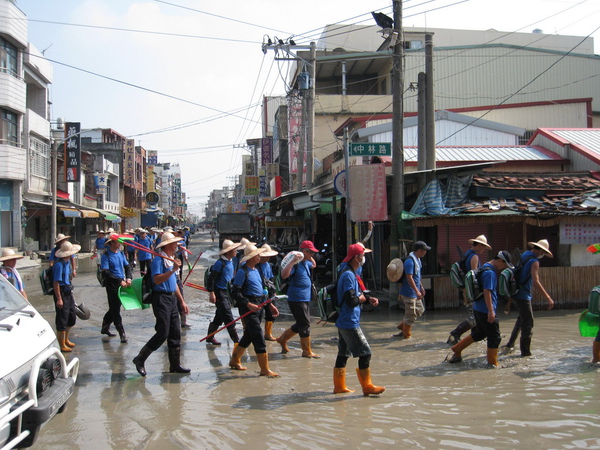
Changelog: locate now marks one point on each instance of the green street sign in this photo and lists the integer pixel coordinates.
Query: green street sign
(370, 149)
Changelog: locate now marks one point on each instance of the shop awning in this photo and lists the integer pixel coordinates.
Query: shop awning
(62, 194)
(67, 212)
(89, 214)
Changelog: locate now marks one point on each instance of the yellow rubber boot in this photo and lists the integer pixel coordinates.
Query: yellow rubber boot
(364, 376)
(492, 357)
(284, 338)
(406, 331)
(306, 350)
(263, 362)
(236, 358)
(61, 341)
(269, 331)
(339, 381)
(67, 341)
(458, 348)
(596, 352)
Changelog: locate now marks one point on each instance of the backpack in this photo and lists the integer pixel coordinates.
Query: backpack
(46, 281)
(147, 286)
(207, 275)
(508, 284)
(458, 270)
(474, 284)
(327, 301)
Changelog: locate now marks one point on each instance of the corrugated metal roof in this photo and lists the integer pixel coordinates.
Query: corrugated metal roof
(452, 154)
(588, 138)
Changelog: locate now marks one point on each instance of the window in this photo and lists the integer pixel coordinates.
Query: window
(8, 57)
(8, 129)
(40, 157)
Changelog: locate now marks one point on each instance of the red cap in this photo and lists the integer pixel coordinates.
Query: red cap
(309, 245)
(354, 250)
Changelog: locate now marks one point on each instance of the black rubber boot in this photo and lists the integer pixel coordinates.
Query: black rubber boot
(462, 328)
(106, 328)
(211, 340)
(233, 334)
(141, 358)
(122, 334)
(175, 361)
(525, 346)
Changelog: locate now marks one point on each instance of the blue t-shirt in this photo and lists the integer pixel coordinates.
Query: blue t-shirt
(468, 257)
(525, 279)
(61, 272)
(266, 270)
(489, 280)
(300, 283)
(114, 263)
(348, 318)
(253, 285)
(343, 266)
(158, 267)
(142, 255)
(10, 275)
(225, 268)
(412, 266)
(100, 243)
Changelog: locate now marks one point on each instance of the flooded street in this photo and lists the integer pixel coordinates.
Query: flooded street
(549, 401)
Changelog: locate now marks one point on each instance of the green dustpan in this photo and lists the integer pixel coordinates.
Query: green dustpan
(589, 324)
(131, 297)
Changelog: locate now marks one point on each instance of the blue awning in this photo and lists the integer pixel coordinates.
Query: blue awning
(70, 212)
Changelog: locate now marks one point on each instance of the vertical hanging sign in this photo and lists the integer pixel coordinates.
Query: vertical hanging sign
(72, 152)
(129, 157)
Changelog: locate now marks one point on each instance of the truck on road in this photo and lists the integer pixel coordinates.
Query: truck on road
(234, 226)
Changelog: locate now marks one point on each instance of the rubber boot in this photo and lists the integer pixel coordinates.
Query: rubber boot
(492, 357)
(339, 381)
(400, 326)
(263, 362)
(525, 345)
(141, 358)
(211, 340)
(284, 338)
(306, 350)
(122, 334)
(233, 334)
(406, 331)
(67, 341)
(596, 352)
(106, 329)
(456, 334)
(62, 335)
(183, 319)
(175, 361)
(458, 348)
(364, 376)
(269, 330)
(236, 358)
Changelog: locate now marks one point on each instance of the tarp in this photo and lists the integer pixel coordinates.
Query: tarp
(438, 199)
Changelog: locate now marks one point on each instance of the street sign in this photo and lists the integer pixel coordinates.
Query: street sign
(370, 149)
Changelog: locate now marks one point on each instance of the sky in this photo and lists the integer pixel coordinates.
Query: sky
(187, 77)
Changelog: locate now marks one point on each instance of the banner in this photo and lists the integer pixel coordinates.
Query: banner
(72, 152)
(266, 151)
(101, 182)
(129, 168)
(368, 193)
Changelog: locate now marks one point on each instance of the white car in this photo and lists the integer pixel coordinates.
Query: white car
(35, 379)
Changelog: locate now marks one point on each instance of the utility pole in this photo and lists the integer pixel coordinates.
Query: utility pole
(429, 107)
(397, 194)
(310, 113)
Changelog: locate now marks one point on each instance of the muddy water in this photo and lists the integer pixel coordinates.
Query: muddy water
(549, 401)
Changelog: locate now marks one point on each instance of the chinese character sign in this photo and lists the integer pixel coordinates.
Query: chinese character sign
(370, 149)
(266, 151)
(294, 129)
(72, 151)
(152, 157)
(368, 193)
(252, 186)
(101, 182)
(129, 172)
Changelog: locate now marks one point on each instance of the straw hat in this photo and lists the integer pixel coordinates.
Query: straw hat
(67, 249)
(244, 242)
(268, 251)
(9, 253)
(251, 251)
(395, 269)
(168, 238)
(544, 245)
(60, 237)
(101, 232)
(481, 239)
(228, 246)
(110, 230)
(112, 237)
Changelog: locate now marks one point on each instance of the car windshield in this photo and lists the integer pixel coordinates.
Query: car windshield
(10, 299)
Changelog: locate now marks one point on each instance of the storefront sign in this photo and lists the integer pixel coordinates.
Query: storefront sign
(368, 193)
(129, 166)
(72, 152)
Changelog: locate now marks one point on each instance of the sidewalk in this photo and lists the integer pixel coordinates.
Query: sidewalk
(28, 263)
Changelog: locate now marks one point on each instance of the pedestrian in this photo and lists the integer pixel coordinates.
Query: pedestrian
(596, 349)
(528, 278)
(412, 292)
(248, 293)
(484, 310)
(267, 273)
(99, 246)
(351, 340)
(165, 295)
(60, 238)
(143, 256)
(220, 275)
(181, 251)
(212, 234)
(9, 270)
(299, 292)
(129, 250)
(64, 303)
(479, 246)
(236, 260)
(117, 273)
